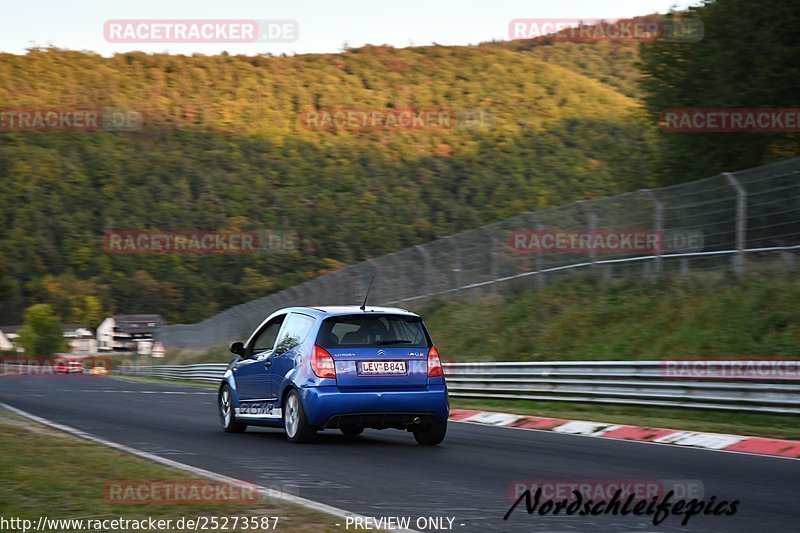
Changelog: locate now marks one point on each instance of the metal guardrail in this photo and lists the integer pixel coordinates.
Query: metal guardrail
(638, 383)
(210, 372)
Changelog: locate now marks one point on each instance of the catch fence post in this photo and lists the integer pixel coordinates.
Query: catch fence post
(738, 263)
(658, 225)
(427, 273)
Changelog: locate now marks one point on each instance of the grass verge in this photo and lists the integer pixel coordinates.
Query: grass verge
(626, 319)
(53, 474)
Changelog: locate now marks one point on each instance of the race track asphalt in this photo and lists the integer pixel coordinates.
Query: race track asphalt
(385, 473)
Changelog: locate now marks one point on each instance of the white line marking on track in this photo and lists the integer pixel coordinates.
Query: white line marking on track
(145, 391)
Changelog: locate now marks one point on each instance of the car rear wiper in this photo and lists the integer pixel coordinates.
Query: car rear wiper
(396, 341)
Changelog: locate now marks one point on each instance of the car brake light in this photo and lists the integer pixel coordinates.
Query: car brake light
(322, 363)
(434, 363)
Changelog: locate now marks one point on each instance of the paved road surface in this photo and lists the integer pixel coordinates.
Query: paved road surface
(385, 473)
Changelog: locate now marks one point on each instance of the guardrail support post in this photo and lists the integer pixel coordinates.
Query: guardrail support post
(741, 223)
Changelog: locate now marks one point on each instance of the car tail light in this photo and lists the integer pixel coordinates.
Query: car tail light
(322, 363)
(434, 363)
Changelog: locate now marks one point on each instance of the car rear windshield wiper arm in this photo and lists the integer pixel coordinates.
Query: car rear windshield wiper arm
(396, 341)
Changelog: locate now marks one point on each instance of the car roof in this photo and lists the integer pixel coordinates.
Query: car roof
(333, 310)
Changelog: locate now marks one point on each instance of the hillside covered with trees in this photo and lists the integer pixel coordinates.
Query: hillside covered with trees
(225, 144)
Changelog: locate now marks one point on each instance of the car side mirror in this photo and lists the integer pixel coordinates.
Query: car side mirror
(237, 348)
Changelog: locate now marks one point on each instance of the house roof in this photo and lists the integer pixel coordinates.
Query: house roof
(10, 329)
(138, 323)
(71, 330)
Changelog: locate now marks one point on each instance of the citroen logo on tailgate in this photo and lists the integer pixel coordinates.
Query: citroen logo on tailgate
(381, 352)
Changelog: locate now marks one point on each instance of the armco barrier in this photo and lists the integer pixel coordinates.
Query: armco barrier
(605, 382)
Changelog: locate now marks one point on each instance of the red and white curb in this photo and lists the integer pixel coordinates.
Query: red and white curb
(694, 439)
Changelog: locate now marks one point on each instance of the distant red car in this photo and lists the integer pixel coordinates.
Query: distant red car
(69, 367)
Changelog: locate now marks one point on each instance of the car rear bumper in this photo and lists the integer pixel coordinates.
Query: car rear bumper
(381, 420)
(332, 406)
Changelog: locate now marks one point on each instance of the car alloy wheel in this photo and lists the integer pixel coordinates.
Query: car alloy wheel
(292, 416)
(225, 407)
(227, 414)
(295, 422)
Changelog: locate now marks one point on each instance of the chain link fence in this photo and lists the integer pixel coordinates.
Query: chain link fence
(730, 222)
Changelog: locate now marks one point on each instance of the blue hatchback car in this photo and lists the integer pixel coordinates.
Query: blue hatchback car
(313, 368)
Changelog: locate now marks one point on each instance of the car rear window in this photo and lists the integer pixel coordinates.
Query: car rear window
(364, 331)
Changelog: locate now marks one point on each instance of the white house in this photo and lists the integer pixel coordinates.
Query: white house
(105, 334)
(127, 333)
(9, 338)
(80, 339)
(5, 344)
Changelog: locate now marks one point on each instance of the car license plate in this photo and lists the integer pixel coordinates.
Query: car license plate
(381, 367)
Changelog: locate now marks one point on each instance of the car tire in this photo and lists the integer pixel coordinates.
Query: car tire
(227, 413)
(295, 423)
(431, 434)
(351, 431)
